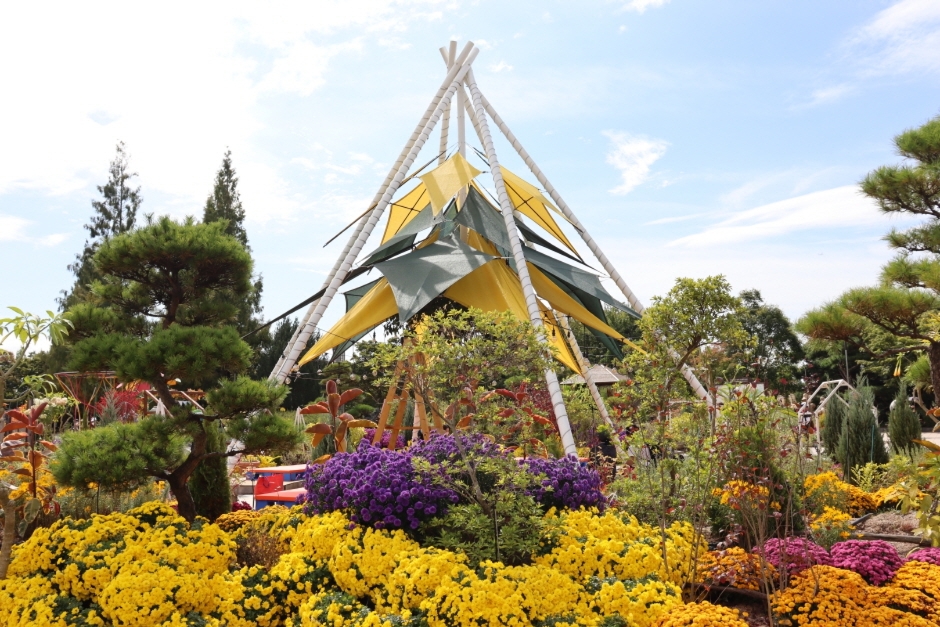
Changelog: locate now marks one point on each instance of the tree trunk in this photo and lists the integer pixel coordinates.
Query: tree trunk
(179, 486)
(933, 355)
(179, 478)
(9, 533)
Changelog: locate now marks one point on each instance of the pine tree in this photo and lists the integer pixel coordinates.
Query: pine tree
(209, 483)
(903, 423)
(904, 305)
(185, 281)
(861, 441)
(225, 203)
(832, 426)
(115, 213)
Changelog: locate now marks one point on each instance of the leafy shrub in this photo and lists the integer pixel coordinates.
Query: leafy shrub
(903, 423)
(833, 421)
(860, 441)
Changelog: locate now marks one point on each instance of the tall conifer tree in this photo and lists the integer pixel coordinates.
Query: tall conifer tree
(115, 213)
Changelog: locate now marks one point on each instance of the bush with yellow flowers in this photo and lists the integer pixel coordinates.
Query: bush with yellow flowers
(825, 489)
(735, 567)
(826, 596)
(149, 567)
(831, 526)
(702, 614)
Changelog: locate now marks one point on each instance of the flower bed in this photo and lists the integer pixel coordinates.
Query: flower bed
(148, 567)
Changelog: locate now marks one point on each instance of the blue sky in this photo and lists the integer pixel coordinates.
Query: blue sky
(691, 138)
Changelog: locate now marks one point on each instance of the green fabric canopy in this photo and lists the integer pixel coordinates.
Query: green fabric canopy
(575, 277)
(479, 215)
(404, 239)
(424, 274)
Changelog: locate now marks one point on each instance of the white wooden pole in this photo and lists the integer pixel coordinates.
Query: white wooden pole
(696, 385)
(461, 123)
(448, 54)
(535, 315)
(585, 366)
(455, 75)
(299, 340)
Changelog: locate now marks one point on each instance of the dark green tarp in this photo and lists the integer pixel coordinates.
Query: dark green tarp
(353, 296)
(404, 239)
(424, 274)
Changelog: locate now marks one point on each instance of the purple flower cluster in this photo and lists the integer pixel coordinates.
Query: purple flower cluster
(931, 556)
(377, 487)
(875, 560)
(442, 449)
(384, 442)
(566, 484)
(794, 555)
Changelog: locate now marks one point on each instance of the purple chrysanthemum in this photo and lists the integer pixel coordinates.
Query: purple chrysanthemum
(793, 555)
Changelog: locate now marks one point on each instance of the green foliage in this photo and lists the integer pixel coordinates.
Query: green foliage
(776, 347)
(119, 456)
(224, 206)
(471, 350)
(27, 329)
(523, 531)
(861, 441)
(922, 495)
(209, 482)
(906, 304)
(696, 314)
(115, 213)
(833, 421)
(188, 273)
(305, 385)
(168, 295)
(903, 423)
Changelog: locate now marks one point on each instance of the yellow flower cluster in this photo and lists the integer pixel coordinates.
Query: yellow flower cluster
(614, 545)
(734, 567)
(825, 489)
(831, 526)
(233, 521)
(149, 567)
(702, 614)
(824, 596)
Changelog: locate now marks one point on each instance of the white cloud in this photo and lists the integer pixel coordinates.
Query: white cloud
(827, 95)
(176, 91)
(633, 156)
(12, 228)
(831, 208)
(903, 38)
(642, 5)
(500, 67)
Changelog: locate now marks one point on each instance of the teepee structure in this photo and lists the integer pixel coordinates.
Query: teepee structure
(479, 250)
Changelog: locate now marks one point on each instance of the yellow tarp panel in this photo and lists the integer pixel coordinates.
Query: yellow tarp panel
(446, 179)
(559, 300)
(556, 337)
(376, 306)
(403, 210)
(491, 287)
(530, 202)
(494, 287)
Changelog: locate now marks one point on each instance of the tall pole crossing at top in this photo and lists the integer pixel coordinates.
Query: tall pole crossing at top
(478, 108)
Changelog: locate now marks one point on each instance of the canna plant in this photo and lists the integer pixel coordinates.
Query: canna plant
(519, 422)
(340, 424)
(31, 496)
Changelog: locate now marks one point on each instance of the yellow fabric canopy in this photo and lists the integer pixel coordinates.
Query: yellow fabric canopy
(446, 179)
(556, 338)
(494, 287)
(377, 305)
(560, 300)
(491, 287)
(403, 210)
(530, 202)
